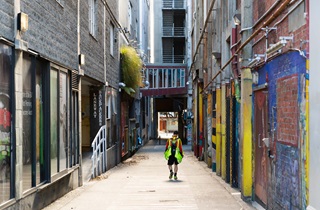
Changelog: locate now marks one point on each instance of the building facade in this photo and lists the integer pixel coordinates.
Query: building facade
(166, 73)
(59, 80)
(250, 81)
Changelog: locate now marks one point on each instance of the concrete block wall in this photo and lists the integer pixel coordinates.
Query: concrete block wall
(52, 30)
(113, 67)
(6, 20)
(92, 47)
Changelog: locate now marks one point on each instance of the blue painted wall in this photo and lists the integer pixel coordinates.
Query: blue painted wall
(284, 175)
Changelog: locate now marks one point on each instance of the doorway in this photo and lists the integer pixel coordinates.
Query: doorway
(260, 148)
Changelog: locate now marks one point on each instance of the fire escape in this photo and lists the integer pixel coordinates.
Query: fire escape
(173, 32)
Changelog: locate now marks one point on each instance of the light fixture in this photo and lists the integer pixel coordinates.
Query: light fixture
(237, 19)
(255, 60)
(82, 59)
(81, 72)
(22, 22)
(255, 77)
(279, 45)
(121, 84)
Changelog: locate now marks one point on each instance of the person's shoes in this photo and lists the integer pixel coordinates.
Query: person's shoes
(171, 174)
(175, 177)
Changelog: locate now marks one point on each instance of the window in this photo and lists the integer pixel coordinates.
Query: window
(27, 118)
(5, 122)
(112, 38)
(130, 15)
(92, 17)
(32, 121)
(59, 115)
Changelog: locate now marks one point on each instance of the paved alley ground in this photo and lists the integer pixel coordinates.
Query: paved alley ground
(142, 183)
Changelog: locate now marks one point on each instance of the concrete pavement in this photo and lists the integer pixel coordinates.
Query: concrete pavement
(142, 183)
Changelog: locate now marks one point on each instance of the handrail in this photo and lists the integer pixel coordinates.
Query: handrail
(99, 154)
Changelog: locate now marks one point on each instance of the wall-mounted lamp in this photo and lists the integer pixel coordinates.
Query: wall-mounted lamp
(121, 84)
(255, 60)
(22, 22)
(255, 77)
(237, 19)
(82, 59)
(81, 72)
(279, 45)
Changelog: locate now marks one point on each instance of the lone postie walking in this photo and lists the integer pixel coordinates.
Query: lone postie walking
(174, 154)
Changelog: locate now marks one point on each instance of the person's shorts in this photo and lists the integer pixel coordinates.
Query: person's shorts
(172, 160)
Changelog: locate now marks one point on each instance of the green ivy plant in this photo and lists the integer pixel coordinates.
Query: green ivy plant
(131, 65)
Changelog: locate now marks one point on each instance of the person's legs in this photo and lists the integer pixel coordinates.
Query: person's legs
(170, 163)
(175, 168)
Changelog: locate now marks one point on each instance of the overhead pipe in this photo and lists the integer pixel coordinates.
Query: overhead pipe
(255, 33)
(202, 34)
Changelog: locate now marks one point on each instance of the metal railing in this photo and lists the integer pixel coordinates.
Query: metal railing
(99, 154)
(173, 4)
(173, 58)
(173, 31)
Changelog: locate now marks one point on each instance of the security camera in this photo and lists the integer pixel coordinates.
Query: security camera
(121, 84)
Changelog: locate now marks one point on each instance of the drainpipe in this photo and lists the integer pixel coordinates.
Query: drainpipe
(17, 107)
(80, 98)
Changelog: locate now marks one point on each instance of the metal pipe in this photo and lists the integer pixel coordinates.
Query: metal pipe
(202, 33)
(255, 33)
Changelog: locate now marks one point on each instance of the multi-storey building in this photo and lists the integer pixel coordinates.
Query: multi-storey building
(166, 73)
(250, 82)
(59, 70)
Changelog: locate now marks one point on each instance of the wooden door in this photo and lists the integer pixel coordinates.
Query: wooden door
(260, 132)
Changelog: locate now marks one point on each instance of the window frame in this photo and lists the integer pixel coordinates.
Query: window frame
(92, 17)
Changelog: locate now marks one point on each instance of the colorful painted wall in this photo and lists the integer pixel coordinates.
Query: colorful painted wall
(285, 76)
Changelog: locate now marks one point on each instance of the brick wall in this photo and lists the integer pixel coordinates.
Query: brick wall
(285, 75)
(287, 110)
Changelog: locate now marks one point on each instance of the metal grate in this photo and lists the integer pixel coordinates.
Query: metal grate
(75, 79)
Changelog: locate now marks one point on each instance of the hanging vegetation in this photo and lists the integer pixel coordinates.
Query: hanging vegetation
(131, 66)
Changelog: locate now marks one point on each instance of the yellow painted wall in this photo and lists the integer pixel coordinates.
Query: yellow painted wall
(307, 152)
(218, 131)
(246, 132)
(223, 132)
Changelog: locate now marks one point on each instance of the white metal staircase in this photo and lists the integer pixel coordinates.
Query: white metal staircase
(99, 154)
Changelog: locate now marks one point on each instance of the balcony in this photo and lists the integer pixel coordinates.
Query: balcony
(173, 58)
(173, 4)
(173, 32)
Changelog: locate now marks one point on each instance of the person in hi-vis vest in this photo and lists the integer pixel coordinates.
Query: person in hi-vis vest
(173, 154)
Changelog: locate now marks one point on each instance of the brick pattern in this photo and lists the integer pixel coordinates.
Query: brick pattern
(287, 110)
(282, 30)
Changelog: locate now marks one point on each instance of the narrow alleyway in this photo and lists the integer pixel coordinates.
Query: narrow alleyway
(141, 182)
